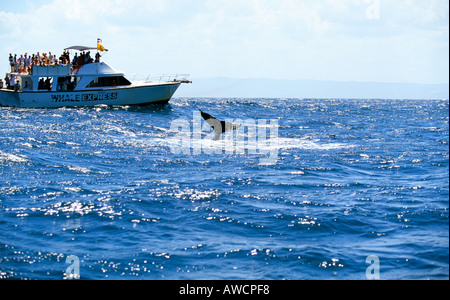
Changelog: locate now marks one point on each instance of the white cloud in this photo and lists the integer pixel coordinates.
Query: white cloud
(9, 24)
(326, 39)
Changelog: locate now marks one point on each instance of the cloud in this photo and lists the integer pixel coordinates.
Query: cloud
(9, 24)
(326, 39)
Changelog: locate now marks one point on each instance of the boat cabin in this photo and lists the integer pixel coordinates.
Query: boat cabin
(62, 78)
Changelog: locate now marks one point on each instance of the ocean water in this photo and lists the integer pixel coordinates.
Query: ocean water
(306, 189)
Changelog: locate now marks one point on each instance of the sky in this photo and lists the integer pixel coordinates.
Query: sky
(338, 40)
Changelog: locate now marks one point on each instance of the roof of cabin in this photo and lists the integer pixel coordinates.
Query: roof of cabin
(101, 68)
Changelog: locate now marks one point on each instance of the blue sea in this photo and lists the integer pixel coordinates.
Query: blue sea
(315, 189)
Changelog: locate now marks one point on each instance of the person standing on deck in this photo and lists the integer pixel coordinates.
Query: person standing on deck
(11, 62)
(21, 63)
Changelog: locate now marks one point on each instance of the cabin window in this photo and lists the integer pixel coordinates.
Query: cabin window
(67, 83)
(45, 83)
(27, 84)
(109, 82)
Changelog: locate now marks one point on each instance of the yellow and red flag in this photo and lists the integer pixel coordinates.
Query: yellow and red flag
(99, 45)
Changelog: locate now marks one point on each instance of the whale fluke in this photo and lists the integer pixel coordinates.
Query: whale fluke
(218, 126)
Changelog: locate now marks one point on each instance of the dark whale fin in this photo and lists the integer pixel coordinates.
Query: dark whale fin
(218, 126)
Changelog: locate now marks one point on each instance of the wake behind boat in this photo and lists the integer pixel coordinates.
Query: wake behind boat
(44, 83)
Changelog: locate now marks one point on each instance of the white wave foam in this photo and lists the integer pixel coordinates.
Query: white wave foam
(207, 145)
(79, 169)
(7, 157)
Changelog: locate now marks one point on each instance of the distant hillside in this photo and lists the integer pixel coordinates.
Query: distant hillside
(270, 88)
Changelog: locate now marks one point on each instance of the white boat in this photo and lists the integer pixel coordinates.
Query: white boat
(94, 83)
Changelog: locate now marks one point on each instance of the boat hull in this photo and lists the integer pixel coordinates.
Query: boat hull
(130, 95)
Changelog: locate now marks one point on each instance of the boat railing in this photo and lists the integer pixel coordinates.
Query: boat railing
(149, 78)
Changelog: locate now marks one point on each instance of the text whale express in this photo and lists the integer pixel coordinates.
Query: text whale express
(83, 97)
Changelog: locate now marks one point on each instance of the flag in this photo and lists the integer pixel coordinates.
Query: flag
(99, 45)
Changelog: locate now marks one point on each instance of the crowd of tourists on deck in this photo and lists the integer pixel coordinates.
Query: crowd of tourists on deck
(10, 83)
(24, 63)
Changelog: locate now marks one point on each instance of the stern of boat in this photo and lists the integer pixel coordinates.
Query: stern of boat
(9, 98)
